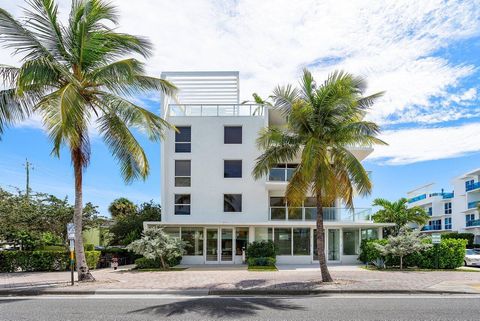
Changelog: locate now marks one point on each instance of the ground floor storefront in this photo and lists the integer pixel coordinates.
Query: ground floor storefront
(226, 244)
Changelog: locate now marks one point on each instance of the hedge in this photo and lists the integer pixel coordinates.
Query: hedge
(261, 261)
(451, 253)
(32, 261)
(461, 236)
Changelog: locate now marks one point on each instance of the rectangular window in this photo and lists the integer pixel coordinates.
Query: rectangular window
(448, 223)
(263, 234)
(241, 240)
(183, 140)
(278, 209)
(435, 224)
(232, 168)
(469, 217)
(232, 135)
(310, 204)
(350, 242)
(193, 238)
(172, 231)
(301, 241)
(369, 233)
(232, 202)
(448, 208)
(182, 204)
(430, 211)
(283, 241)
(182, 173)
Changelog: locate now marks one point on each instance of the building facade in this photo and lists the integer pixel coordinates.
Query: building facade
(455, 211)
(210, 199)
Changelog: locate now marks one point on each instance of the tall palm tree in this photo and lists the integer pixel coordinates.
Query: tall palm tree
(321, 124)
(399, 213)
(76, 75)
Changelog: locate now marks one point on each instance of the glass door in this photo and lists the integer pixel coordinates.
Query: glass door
(212, 246)
(333, 245)
(226, 245)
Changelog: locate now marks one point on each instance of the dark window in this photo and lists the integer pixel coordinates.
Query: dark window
(182, 204)
(182, 172)
(448, 208)
(183, 140)
(232, 135)
(232, 168)
(232, 202)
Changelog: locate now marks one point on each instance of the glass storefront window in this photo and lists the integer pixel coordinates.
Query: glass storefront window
(333, 244)
(301, 241)
(283, 241)
(369, 234)
(172, 231)
(241, 240)
(263, 234)
(193, 237)
(350, 241)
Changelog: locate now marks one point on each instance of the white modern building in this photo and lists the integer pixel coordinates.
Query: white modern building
(454, 211)
(209, 196)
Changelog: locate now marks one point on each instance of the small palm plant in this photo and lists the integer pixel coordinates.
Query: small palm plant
(76, 76)
(399, 213)
(321, 124)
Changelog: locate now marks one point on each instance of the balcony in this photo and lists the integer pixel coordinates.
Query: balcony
(472, 186)
(432, 228)
(215, 110)
(472, 205)
(417, 198)
(473, 223)
(424, 196)
(330, 214)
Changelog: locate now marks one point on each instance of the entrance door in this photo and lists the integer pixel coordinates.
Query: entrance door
(212, 246)
(226, 245)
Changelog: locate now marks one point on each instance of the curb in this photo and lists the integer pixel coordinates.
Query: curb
(205, 292)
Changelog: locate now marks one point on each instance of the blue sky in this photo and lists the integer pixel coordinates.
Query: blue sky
(424, 54)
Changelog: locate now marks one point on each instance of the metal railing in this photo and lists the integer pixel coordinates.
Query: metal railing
(473, 223)
(432, 228)
(215, 110)
(471, 186)
(331, 214)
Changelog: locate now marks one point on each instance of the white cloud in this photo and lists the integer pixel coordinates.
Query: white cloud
(424, 144)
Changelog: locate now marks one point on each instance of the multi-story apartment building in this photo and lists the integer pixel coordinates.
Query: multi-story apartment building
(209, 196)
(453, 211)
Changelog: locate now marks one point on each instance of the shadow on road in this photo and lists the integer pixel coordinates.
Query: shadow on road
(220, 307)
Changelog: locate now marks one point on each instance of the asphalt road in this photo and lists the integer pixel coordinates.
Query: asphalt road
(132, 308)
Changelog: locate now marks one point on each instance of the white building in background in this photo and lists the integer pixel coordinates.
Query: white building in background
(209, 196)
(451, 211)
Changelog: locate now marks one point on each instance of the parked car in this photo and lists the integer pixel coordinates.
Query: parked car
(472, 257)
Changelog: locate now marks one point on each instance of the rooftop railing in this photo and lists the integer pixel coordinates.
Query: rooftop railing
(417, 198)
(424, 196)
(330, 214)
(215, 110)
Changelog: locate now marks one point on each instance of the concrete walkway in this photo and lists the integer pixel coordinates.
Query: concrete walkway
(228, 280)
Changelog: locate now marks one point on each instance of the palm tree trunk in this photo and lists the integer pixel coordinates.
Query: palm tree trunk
(321, 241)
(82, 267)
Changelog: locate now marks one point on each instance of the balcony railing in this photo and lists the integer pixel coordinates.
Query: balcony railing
(472, 186)
(473, 223)
(280, 174)
(432, 228)
(417, 198)
(331, 214)
(473, 204)
(215, 110)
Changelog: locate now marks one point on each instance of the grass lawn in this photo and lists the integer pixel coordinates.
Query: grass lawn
(372, 268)
(173, 269)
(262, 268)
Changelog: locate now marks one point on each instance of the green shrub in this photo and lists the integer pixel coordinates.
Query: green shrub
(368, 251)
(261, 261)
(461, 236)
(89, 247)
(144, 263)
(259, 249)
(451, 253)
(29, 261)
(92, 258)
(52, 248)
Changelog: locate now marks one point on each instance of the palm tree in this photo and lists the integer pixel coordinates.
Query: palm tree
(76, 76)
(399, 213)
(321, 125)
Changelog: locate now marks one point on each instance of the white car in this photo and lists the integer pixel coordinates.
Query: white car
(472, 257)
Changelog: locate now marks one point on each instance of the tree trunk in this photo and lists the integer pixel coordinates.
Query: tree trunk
(401, 262)
(82, 267)
(321, 241)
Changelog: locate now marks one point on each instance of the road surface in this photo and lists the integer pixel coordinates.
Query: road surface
(332, 307)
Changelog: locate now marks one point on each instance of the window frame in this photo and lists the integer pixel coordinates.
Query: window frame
(232, 160)
(182, 176)
(180, 143)
(175, 204)
(447, 207)
(241, 203)
(225, 135)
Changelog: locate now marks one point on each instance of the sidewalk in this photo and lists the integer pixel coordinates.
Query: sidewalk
(226, 280)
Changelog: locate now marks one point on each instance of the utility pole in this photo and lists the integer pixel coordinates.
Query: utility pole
(28, 166)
